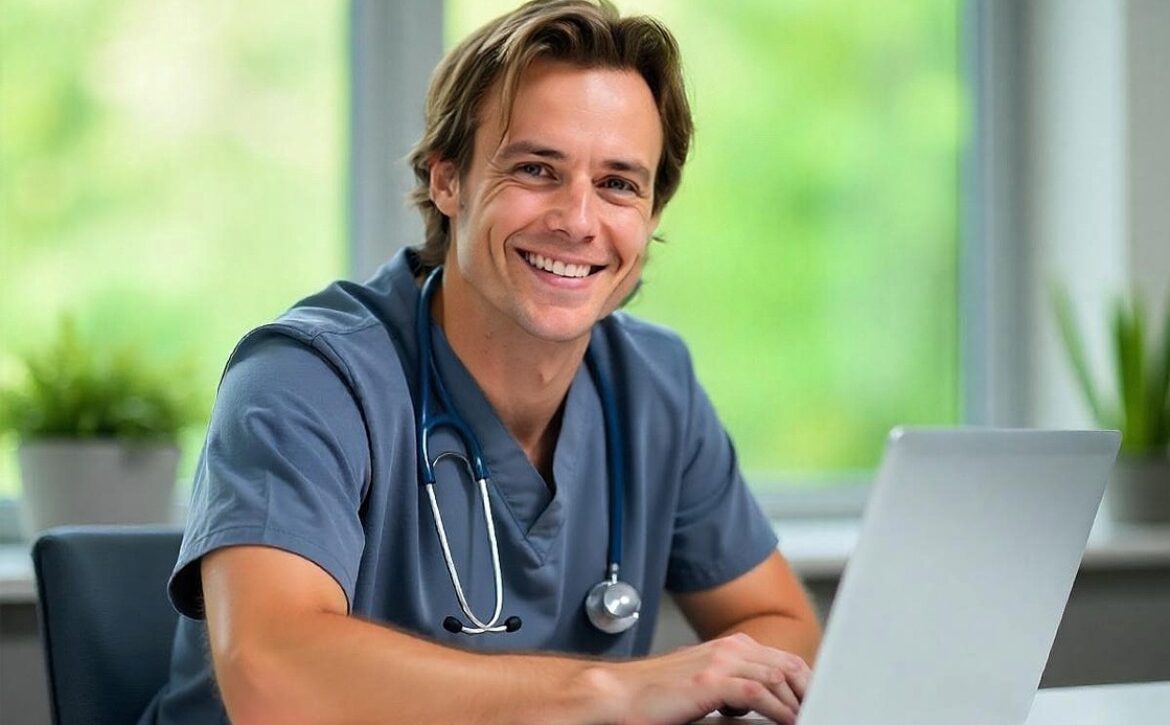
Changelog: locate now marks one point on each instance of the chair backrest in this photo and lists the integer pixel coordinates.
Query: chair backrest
(106, 623)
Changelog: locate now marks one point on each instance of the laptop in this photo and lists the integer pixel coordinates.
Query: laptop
(949, 605)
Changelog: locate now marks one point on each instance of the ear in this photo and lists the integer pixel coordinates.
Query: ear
(654, 228)
(444, 185)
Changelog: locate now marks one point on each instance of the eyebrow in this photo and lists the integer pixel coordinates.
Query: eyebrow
(528, 148)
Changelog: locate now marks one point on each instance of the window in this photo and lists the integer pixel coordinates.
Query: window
(157, 160)
(154, 155)
(812, 252)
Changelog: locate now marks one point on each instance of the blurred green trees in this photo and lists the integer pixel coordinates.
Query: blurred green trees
(169, 171)
(174, 171)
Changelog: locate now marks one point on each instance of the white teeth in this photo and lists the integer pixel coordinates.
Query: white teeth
(557, 267)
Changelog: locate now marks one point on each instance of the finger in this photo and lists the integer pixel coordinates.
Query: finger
(775, 678)
(785, 673)
(783, 667)
(743, 694)
(784, 692)
(748, 670)
(747, 648)
(798, 676)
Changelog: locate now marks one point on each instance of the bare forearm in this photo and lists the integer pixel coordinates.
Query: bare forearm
(800, 636)
(285, 651)
(337, 669)
(350, 671)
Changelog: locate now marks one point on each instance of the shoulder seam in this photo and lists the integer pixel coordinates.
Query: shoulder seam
(312, 335)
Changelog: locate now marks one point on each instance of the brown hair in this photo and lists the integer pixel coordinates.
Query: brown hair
(582, 32)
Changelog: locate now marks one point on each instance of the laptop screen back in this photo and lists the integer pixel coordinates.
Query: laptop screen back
(949, 604)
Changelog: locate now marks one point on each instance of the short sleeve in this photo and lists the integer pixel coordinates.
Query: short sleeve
(719, 530)
(284, 465)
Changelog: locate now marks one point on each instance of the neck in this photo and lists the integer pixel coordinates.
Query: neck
(525, 379)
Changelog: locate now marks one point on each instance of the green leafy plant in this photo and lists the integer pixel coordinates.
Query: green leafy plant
(1142, 408)
(77, 389)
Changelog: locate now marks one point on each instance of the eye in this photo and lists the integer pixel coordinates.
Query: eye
(616, 183)
(532, 169)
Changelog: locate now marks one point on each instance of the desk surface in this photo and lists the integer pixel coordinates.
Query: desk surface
(1141, 704)
(1144, 704)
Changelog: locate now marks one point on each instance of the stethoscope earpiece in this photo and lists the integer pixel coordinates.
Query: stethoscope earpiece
(454, 626)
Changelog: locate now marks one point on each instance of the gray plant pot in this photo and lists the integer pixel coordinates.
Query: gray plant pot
(1139, 491)
(96, 482)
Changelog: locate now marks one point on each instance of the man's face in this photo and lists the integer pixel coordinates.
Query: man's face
(551, 221)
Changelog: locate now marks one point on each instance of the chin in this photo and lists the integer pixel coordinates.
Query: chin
(558, 334)
(551, 327)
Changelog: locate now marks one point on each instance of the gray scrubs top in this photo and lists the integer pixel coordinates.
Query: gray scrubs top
(311, 449)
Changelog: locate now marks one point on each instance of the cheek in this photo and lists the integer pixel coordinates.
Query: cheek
(491, 219)
(631, 233)
(629, 272)
(626, 284)
(511, 206)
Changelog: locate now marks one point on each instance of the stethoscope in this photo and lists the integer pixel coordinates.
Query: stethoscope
(611, 605)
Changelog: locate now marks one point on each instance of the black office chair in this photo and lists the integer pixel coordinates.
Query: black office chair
(106, 623)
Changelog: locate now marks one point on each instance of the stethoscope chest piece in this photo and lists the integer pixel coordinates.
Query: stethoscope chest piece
(613, 606)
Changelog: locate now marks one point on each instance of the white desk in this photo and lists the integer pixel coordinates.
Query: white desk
(1144, 704)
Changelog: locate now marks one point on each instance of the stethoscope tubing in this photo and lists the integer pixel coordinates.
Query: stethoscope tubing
(497, 577)
(616, 463)
(429, 419)
(627, 600)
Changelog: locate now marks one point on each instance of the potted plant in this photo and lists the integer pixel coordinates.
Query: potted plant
(97, 431)
(1140, 488)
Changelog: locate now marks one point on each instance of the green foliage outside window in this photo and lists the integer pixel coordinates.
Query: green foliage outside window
(174, 172)
(169, 171)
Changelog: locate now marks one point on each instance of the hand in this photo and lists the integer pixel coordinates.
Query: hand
(734, 674)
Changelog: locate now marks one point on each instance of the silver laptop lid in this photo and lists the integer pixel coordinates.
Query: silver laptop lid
(949, 604)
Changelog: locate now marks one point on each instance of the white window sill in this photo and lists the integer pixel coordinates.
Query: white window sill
(16, 576)
(817, 548)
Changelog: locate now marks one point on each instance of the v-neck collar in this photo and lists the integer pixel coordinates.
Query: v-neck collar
(536, 510)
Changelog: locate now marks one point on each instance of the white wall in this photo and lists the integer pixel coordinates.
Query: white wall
(1097, 160)
(1148, 146)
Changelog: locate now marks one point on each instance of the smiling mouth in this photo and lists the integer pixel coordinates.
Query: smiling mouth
(559, 268)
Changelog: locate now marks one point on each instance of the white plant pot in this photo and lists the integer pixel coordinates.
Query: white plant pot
(96, 482)
(1139, 491)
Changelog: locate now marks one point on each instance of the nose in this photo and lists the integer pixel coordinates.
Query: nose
(574, 211)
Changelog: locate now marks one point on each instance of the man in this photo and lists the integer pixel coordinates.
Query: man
(555, 136)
